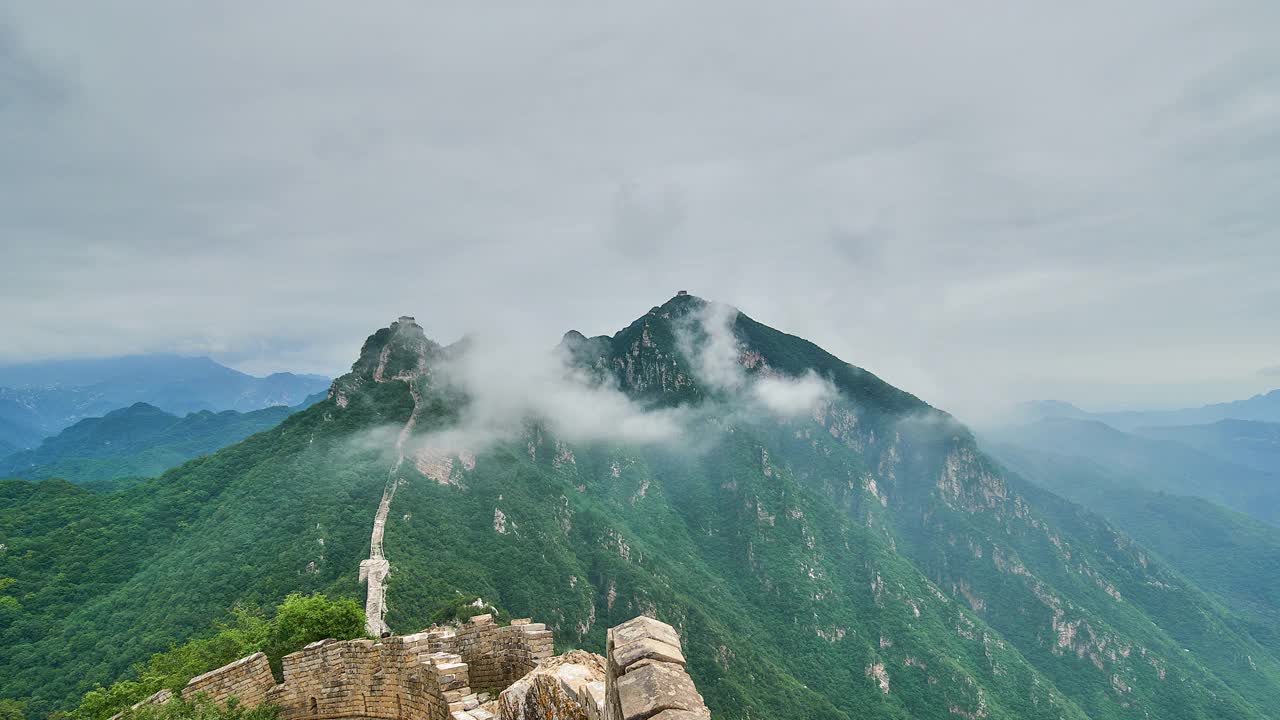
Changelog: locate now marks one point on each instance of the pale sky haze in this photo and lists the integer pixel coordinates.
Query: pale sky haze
(981, 202)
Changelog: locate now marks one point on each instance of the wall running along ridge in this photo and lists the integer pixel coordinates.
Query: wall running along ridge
(430, 676)
(374, 571)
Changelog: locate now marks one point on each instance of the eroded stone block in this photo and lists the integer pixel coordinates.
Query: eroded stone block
(650, 689)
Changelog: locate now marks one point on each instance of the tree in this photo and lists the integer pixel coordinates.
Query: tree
(299, 620)
(303, 619)
(12, 710)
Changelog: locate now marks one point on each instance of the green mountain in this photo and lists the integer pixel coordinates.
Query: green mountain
(1154, 463)
(138, 441)
(828, 546)
(39, 399)
(1244, 442)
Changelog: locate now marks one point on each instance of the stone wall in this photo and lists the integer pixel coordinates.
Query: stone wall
(499, 656)
(430, 676)
(363, 679)
(425, 676)
(645, 675)
(248, 679)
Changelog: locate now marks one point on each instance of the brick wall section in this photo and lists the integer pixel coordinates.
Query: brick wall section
(247, 678)
(645, 675)
(425, 676)
(361, 679)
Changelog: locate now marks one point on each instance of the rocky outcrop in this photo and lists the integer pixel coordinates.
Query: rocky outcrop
(568, 687)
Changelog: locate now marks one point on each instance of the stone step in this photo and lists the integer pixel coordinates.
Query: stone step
(458, 695)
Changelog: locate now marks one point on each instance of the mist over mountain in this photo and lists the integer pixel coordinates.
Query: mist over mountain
(1263, 407)
(534, 479)
(826, 545)
(1247, 442)
(1154, 463)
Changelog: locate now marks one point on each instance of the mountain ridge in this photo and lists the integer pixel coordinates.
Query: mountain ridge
(138, 441)
(828, 545)
(1155, 463)
(39, 399)
(1263, 407)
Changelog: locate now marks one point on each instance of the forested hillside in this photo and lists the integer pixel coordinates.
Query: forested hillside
(828, 546)
(138, 441)
(38, 400)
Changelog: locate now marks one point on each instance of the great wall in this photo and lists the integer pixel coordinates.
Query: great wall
(374, 570)
(477, 671)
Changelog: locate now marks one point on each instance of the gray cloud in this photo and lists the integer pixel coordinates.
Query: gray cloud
(978, 202)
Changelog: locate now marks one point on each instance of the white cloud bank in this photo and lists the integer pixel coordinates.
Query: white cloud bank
(720, 361)
(509, 385)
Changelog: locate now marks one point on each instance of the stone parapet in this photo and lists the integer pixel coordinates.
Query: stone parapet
(248, 679)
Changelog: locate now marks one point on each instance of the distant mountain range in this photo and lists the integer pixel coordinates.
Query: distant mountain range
(1246, 442)
(139, 441)
(1183, 491)
(827, 545)
(1229, 554)
(1154, 463)
(1262, 407)
(39, 399)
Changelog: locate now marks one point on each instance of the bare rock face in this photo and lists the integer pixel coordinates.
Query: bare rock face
(566, 687)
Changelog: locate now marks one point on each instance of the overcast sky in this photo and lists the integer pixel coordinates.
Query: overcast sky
(979, 201)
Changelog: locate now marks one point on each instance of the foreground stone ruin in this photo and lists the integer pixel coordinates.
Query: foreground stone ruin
(478, 671)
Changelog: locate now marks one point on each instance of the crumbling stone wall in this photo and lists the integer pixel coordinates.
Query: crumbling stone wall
(499, 656)
(645, 675)
(496, 656)
(430, 676)
(425, 676)
(566, 687)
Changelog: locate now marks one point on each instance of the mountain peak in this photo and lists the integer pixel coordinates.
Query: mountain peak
(140, 408)
(405, 334)
(682, 302)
